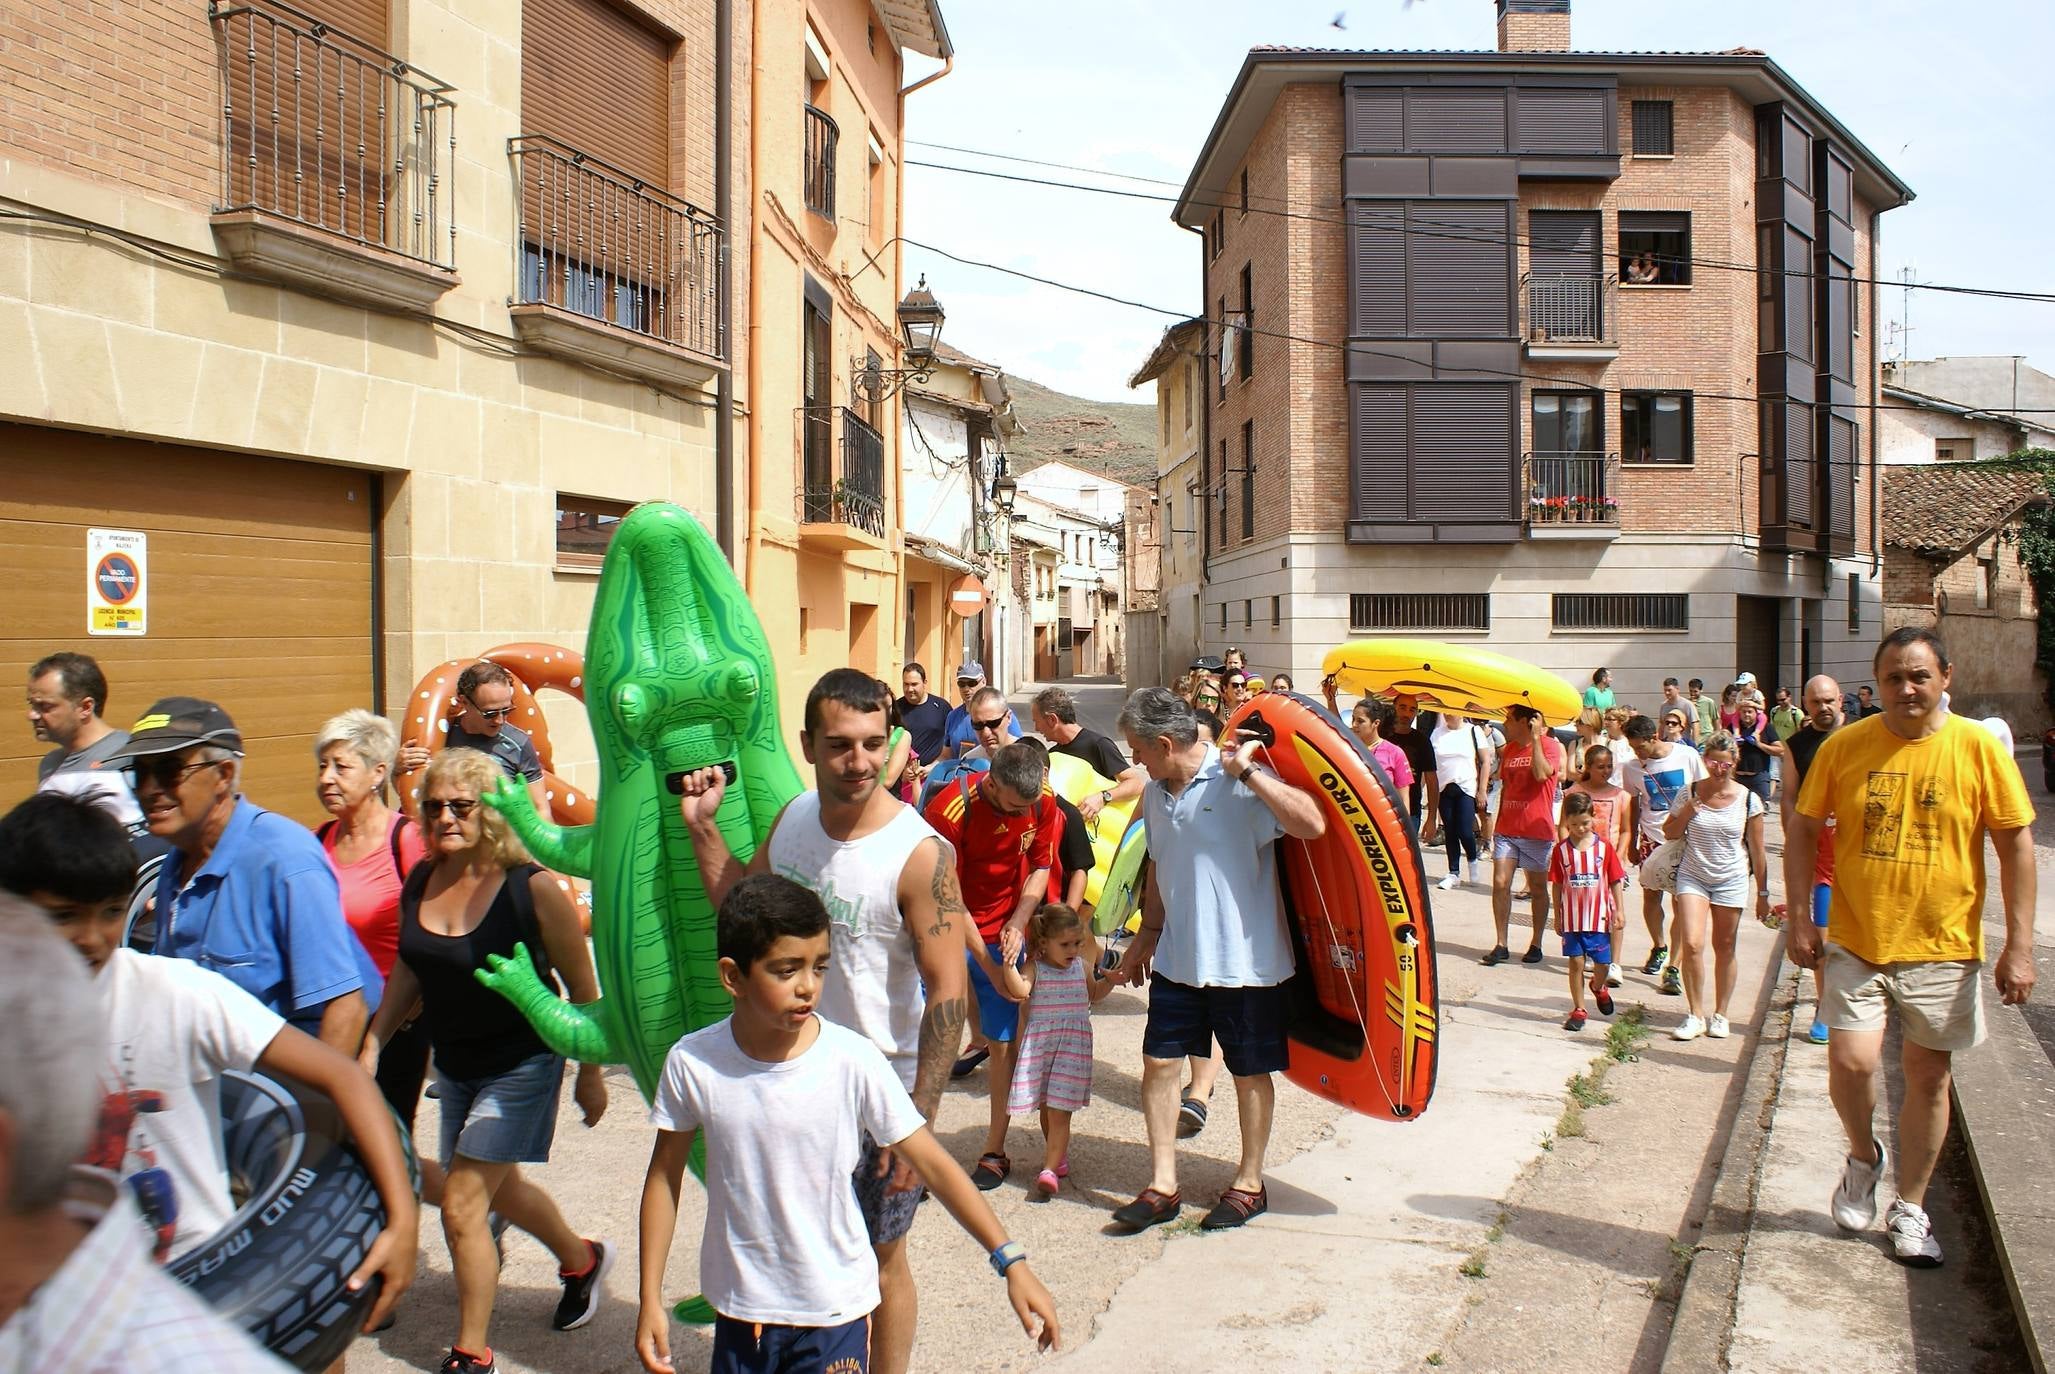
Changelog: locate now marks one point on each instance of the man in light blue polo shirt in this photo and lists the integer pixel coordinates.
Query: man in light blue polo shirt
(1213, 925)
(249, 893)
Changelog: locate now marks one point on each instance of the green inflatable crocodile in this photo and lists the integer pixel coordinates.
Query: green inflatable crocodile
(677, 676)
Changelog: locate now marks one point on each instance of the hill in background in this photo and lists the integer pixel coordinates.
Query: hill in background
(1114, 438)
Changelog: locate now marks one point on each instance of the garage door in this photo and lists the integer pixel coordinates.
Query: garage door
(259, 591)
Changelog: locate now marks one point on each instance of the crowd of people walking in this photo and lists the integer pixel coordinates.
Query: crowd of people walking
(915, 917)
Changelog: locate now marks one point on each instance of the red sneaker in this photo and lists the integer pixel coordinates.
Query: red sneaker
(1576, 1021)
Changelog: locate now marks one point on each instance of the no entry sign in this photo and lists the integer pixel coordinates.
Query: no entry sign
(117, 582)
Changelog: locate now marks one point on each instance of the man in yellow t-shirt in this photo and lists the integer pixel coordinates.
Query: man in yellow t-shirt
(1915, 791)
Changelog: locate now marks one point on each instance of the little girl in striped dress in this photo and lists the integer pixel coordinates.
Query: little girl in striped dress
(1053, 1072)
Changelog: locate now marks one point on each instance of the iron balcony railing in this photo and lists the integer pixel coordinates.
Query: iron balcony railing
(1573, 488)
(1563, 309)
(856, 495)
(329, 132)
(821, 137)
(604, 243)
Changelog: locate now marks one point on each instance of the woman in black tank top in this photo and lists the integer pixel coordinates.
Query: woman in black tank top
(498, 1084)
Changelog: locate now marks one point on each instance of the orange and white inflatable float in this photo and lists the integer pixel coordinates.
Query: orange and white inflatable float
(535, 667)
(1365, 1016)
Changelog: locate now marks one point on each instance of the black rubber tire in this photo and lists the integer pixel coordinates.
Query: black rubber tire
(139, 931)
(278, 1269)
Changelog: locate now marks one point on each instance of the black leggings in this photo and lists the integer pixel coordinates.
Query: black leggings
(1458, 823)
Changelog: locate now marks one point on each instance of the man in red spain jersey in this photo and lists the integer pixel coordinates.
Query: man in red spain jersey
(1005, 828)
(1589, 879)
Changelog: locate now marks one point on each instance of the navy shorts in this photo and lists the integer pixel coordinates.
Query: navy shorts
(1595, 945)
(886, 1215)
(1251, 1024)
(508, 1118)
(998, 1014)
(756, 1348)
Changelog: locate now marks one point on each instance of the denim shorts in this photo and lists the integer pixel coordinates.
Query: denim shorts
(1531, 855)
(1734, 894)
(886, 1215)
(508, 1118)
(1252, 1025)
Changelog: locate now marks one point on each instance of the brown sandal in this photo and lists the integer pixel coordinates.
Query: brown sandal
(991, 1171)
(1235, 1207)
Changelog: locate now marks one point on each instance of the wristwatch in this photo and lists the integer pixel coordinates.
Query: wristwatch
(1106, 798)
(1006, 1256)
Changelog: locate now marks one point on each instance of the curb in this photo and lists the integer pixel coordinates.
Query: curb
(1704, 1324)
(2005, 1109)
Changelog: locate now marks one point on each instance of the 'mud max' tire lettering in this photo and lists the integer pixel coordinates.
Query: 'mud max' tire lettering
(1365, 1009)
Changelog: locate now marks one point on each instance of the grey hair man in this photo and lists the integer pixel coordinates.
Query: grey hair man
(75, 1295)
(992, 726)
(1213, 930)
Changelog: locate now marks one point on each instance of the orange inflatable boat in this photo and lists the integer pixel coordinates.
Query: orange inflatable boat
(1365, 1013)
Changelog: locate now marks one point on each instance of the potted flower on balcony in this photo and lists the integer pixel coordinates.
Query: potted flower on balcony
(1537, 508)
(1609, 509)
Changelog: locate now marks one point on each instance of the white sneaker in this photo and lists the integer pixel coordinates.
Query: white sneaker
(1717, 1027)
(1613, 979)
(1912, 1236)
(1688, 1029)
(1448, 884)
(1473, 875)
(1855, 1197)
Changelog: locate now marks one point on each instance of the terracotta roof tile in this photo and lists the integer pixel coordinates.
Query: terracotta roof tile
(1940, 509)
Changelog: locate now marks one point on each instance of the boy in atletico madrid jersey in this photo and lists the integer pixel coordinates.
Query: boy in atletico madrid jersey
(1005, 828)
(1589, 881)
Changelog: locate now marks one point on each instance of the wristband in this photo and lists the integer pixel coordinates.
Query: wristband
(1006, 1256)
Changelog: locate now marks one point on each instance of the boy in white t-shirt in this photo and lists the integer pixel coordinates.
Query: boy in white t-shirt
(173, 1028)
(784, 1099)
(1660, 772)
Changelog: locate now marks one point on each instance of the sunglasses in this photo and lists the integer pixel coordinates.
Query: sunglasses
(432, 810)
(996, 723)
(496, 713)
(167, 773)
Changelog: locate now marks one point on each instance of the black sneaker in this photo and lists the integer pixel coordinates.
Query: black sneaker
(461, 1362)
(1151, 1208)
(1498, 955)
(582, 1291)
(1656, 961)
(1532, 956)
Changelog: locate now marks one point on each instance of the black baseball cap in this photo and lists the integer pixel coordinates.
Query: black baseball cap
(1209, 663)
(179, 723)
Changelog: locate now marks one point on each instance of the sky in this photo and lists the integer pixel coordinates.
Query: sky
(1953, 97)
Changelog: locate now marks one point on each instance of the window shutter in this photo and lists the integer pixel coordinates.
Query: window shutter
(1799, 485)
(1562, 243)
(1377, 120)
(1459, 271)
(1458, 120)
(1840, 477)
(1561, 120)
(363, 20)
(600, 81)
(1379, 250)
(1380, 440)
(1654, 131)
(1461, 437)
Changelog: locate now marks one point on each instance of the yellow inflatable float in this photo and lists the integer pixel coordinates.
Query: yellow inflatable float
(1073, 780)
(1454, 678)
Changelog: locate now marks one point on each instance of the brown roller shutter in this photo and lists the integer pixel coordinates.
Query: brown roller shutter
(599, 80)
(364, 20)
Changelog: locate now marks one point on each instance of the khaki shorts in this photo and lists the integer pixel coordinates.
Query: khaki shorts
(1940, 1005)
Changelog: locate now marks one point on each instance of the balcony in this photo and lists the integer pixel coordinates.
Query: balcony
(1569, 318)
(821, 137)
(336, 161)
(841, 509)
(615, 273)
(1572, 495)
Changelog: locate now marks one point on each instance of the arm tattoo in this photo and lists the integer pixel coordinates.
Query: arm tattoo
(948, 894)
(941, 1036)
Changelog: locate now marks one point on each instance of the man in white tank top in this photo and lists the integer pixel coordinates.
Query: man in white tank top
(896, 924)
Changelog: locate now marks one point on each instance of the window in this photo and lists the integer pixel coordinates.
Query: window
(1163, 413)
(1420, 611)
(875, 211)
(1245, 334)
(1620, 611)
(1276, 611)
(1245, 190)
(1189, 384)
(1987, 581)
(1215, 236)
(1248, 614)
(1855, 603)
(1655, 248)
(1568, 422)
(1223, 615)
(1954, 450)
(1248, 480)
(1652, 128)
(1221, 487)
(1226, 345)
(1655, 426)
(585, 526)
(817, 411)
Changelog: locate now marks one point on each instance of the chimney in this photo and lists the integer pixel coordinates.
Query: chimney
(1533, 25)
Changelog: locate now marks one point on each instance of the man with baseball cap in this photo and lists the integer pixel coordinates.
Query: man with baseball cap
(957, 736)
(248, 892)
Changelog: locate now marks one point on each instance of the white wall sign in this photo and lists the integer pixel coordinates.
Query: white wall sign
(117, 582)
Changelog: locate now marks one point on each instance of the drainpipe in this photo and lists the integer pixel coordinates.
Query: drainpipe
(899, 402)
(724, 384)
(1206, 385)
(1876, 482)
(755, 322)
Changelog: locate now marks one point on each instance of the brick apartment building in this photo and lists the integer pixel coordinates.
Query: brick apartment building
(1494, 330)
(372, 318)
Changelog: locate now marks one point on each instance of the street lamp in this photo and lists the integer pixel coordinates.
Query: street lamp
(920, 327)
(1004, 489)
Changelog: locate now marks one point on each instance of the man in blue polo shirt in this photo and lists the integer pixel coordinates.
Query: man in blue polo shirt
(958, 738)
(1213, 926)
(249, 893)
